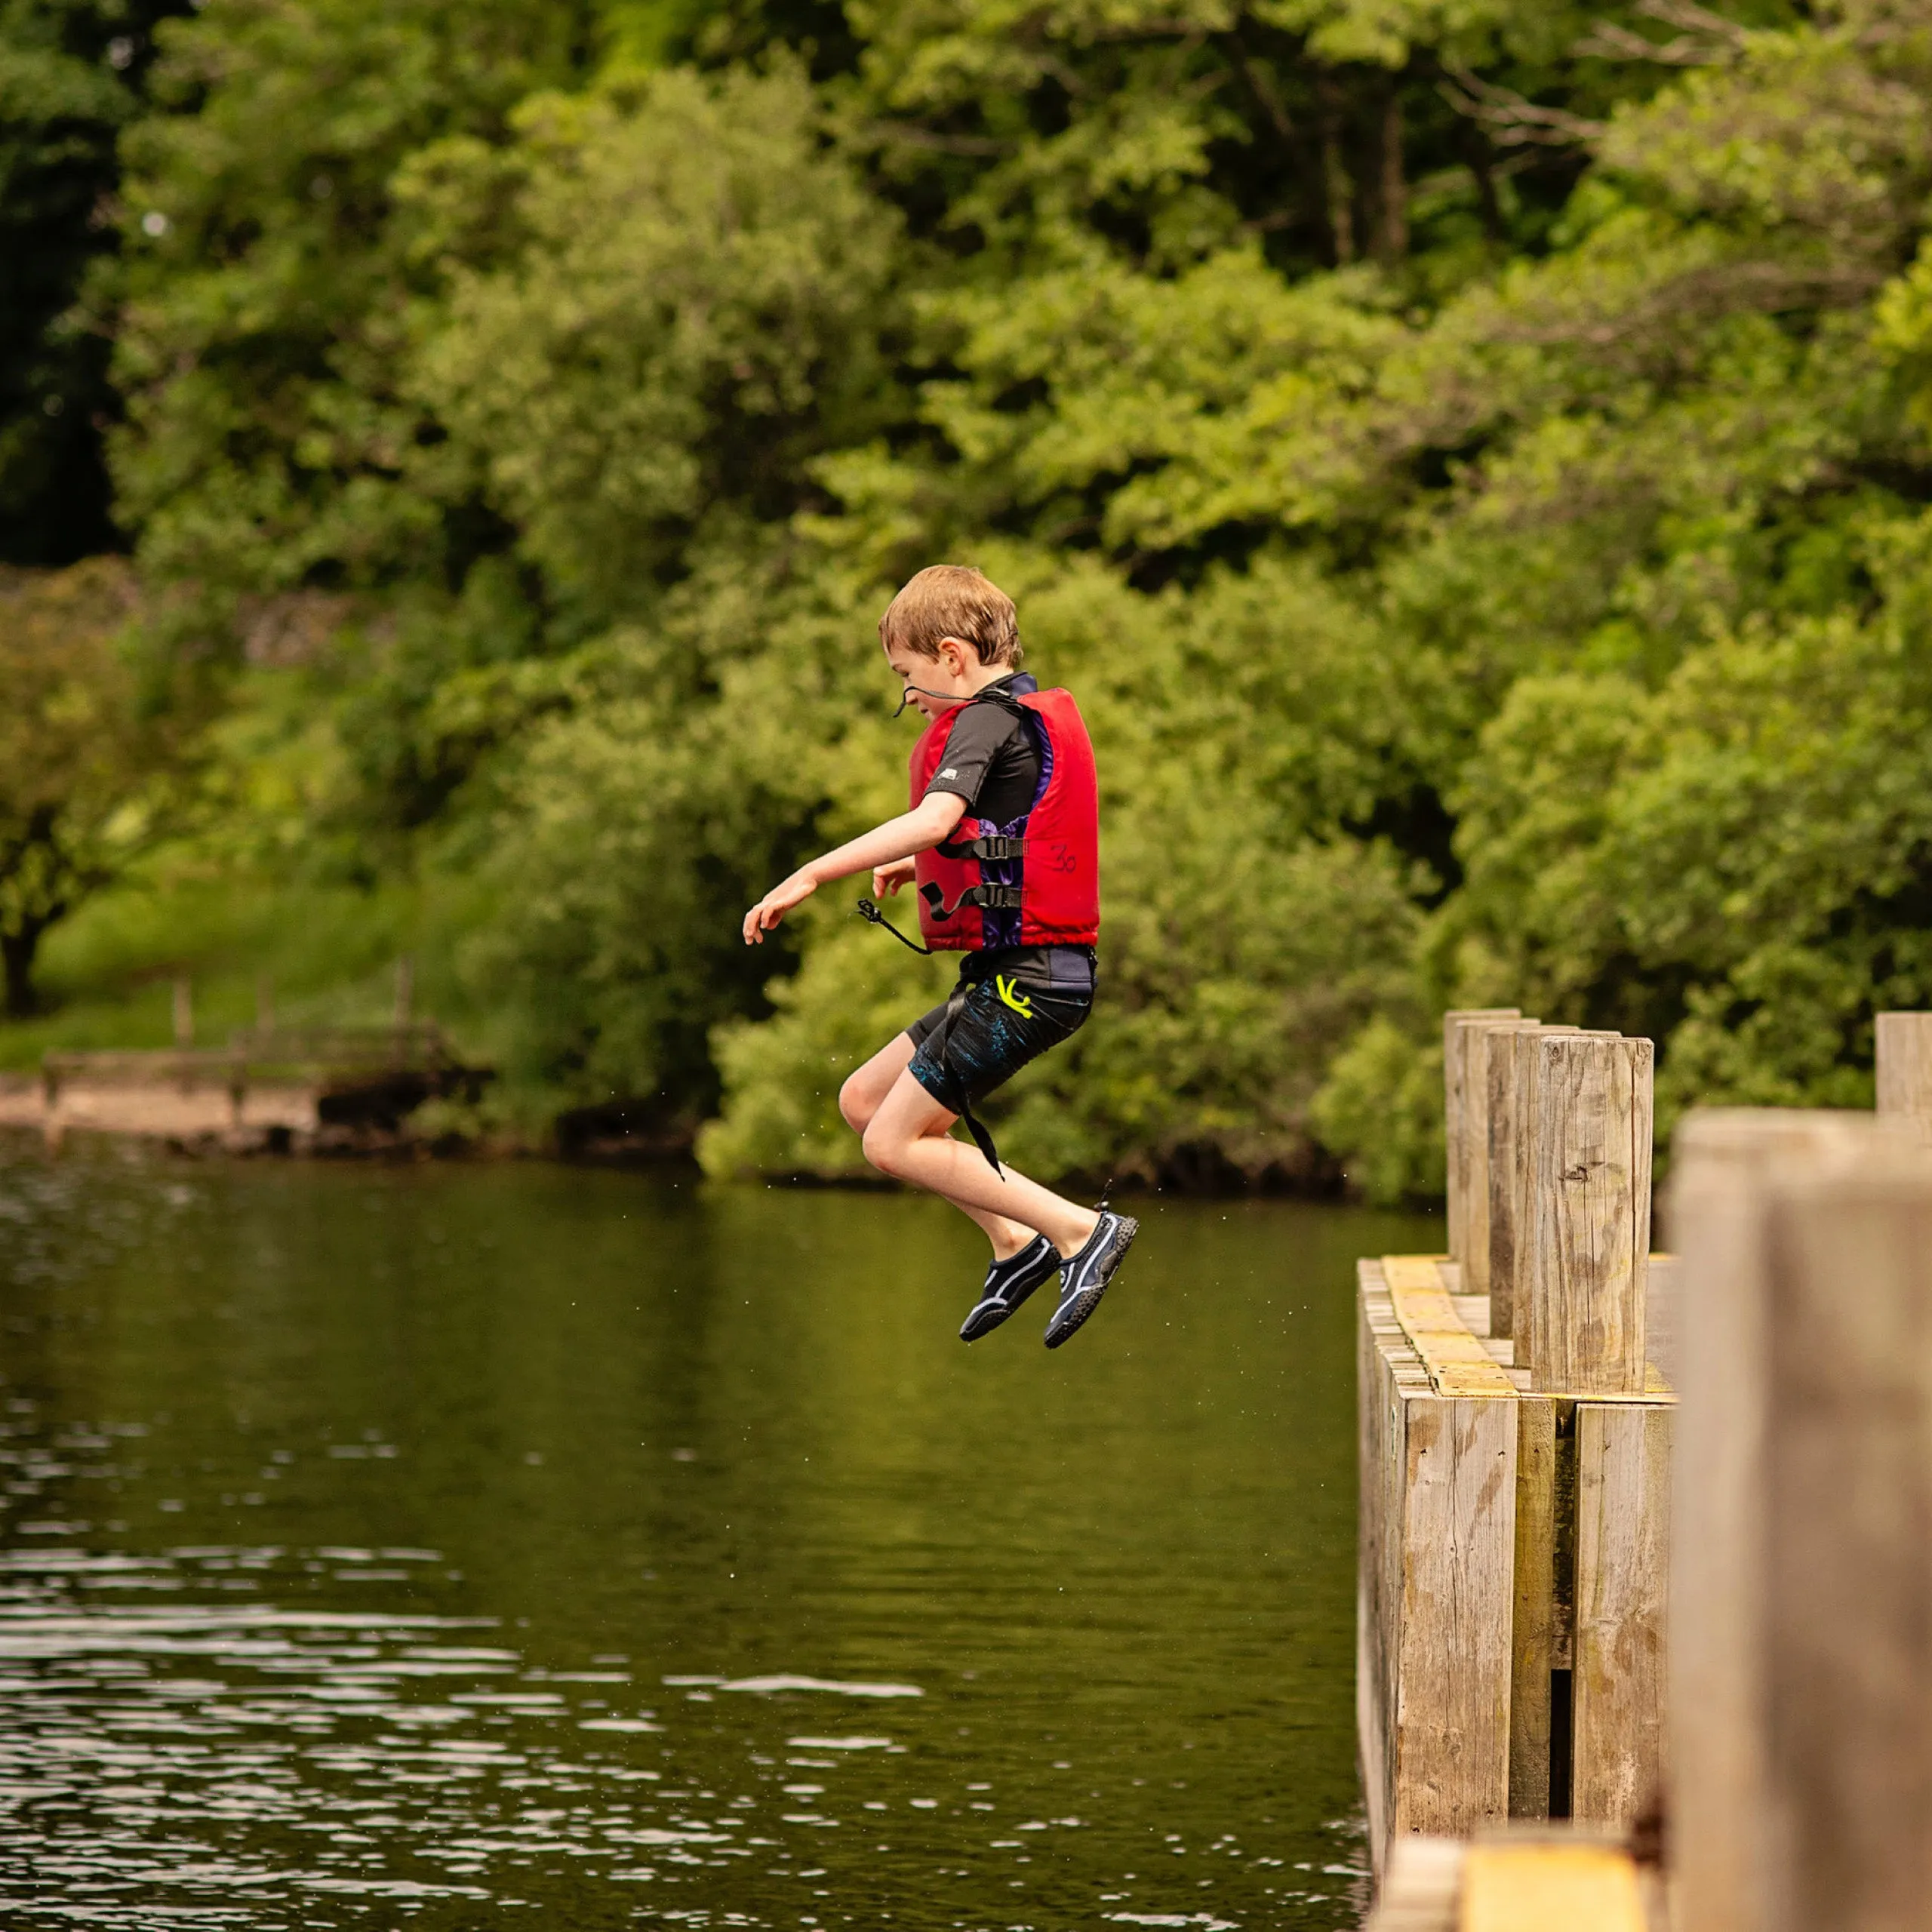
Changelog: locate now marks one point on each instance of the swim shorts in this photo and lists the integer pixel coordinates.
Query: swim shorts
(993, 1025)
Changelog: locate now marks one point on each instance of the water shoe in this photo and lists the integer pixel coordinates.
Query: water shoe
(1084, 1279)
(1008, 1283)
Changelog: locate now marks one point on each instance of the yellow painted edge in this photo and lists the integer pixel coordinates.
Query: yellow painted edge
(1457, 1363)
(1541, 1888)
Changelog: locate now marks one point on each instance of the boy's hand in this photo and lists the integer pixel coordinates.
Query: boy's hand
(887, 879)
(776, 903)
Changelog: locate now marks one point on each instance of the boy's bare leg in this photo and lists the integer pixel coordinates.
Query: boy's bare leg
(860, 1100)
(908, 1138)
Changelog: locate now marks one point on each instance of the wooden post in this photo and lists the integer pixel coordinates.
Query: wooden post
(1801, 1637)
(1510, 1064)
(1483, 1042)
(1622, 1590)
(1436, 1529)
(1591, 1180)
(1532, 1634)
(184, 1012)
(1903, 1043)
(405, 989)
(264, 1006)
(1455, 1075)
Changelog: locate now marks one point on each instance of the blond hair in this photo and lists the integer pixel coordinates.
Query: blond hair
(956, 600)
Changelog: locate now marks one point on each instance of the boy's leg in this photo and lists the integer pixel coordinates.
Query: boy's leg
(908, 1138)
(860, 1100)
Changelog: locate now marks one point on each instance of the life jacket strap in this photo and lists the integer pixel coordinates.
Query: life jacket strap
(995, 848)
(998, 898)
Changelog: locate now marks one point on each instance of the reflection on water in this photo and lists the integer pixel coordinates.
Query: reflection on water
(440, 1544)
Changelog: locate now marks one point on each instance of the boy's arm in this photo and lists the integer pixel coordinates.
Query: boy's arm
(929, 823)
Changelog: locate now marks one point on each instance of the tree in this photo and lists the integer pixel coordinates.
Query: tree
(81, 769)
(72, 74)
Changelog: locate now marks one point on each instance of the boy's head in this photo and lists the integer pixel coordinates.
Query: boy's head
(952, 602)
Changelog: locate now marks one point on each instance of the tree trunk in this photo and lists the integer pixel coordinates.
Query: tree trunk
(1336, 185)
(17, 950)
(1393, 240)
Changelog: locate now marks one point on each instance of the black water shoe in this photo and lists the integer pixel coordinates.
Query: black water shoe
(1008, 1283)
(1084, 1278)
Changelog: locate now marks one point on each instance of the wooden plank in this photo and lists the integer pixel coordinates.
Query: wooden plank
(1479, 1040)
(1623, 1474)
(1902, 1042)
(1454, 1073)
(1394, 1375)
(1531, 1611)
(1452, 1676)
(1848, 1587)
(1457, 1361)
(1549, 1887)
(1422, 1888)
(1725, 1165)
(1663, 1287)
(1592, 1215)
(1377, 1407)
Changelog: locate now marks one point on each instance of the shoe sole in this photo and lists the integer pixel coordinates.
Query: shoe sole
(1012, 1308)
(1066, 1327)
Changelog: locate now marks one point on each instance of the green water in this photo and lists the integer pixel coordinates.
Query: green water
(408, 1544)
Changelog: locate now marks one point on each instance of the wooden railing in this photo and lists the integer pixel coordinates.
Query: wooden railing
(322, 1055)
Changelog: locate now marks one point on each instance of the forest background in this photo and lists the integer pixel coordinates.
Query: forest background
(1472, 459)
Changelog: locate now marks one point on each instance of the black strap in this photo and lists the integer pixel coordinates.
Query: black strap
(935, 1040)
(936, 1044)
(996, 847)
(868, 910)
(997, 897)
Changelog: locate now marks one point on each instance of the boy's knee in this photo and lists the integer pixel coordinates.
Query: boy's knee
(855, 1106)
(882, 1149)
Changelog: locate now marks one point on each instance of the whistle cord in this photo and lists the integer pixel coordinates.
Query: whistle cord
(868, 910)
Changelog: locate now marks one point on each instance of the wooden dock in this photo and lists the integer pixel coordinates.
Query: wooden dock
(1701, 1632)
(1515, 1450)
(293, 1089)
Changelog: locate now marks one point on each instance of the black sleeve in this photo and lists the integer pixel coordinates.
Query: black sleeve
(980, 734)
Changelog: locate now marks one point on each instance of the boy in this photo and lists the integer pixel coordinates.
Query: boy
(1003, 840)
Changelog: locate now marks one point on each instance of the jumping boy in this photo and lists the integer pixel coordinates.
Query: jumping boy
(1003, 841)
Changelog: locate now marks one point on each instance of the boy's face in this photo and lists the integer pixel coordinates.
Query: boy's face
(952, 673)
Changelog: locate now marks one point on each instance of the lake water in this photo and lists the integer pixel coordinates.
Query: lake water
(461, 1546)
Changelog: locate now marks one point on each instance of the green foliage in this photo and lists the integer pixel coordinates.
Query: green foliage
(266, 296)
(683, 305)
(1469, 460)
(1383, 1100)
(71, 75)
(82, 770)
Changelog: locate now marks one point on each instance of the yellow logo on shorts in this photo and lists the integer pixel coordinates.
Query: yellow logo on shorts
(1012, 997)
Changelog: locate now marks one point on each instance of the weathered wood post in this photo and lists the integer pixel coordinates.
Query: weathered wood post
(1510, 1057)
(1801, 1665)
(1591, 1245)
(1593, 1447)
(184, 1012)
(1903, 1043)
(1515, 1492)
(1456, 1146)
(1437, 1448)
(1484, 1042)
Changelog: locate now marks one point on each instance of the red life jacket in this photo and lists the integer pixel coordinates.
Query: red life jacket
(1036, 880)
